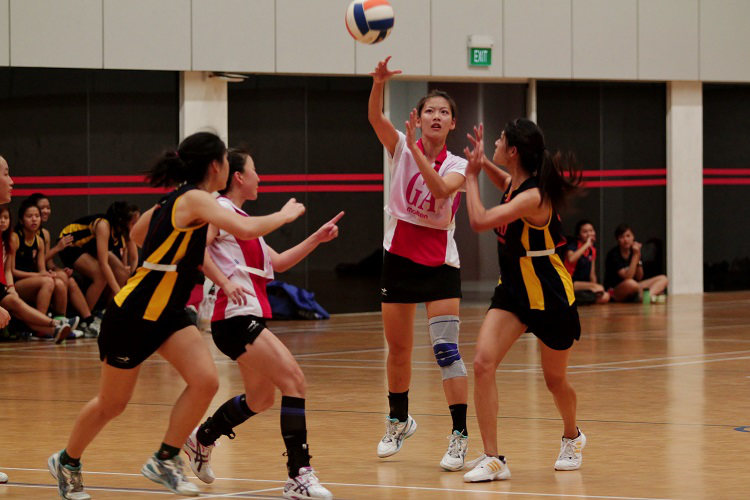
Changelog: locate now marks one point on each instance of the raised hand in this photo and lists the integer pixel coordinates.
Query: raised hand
(329, 230)
(475, 156)
(291, 210)
(382, 73)
(411, 130)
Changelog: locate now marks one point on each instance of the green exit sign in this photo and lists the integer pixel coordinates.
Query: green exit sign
(480, 56)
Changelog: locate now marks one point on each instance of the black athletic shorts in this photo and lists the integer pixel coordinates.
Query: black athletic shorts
(69, 255)
(126, 341)
(557, 328)
(232, 335)
(406, 282)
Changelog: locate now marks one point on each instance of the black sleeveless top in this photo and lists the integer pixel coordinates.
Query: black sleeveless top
(531, 268)
(26, 255)
(170, 268)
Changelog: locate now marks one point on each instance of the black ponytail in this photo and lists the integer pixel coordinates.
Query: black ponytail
(119, 215)
(558, 174)
(189, 163)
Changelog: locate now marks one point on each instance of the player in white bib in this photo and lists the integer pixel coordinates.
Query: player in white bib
(420, 262)
(239, 331)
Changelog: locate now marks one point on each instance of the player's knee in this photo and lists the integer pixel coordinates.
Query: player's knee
(111, 407)
(294, 381)
(555, 382)
(483, 367)
(444, 336)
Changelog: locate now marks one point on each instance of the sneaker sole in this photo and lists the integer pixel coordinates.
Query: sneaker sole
(452, 469)
(149, 474)
(568, 468)
(409, 432)
(495, 476)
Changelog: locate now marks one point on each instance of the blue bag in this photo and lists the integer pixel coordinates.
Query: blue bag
(291, 302)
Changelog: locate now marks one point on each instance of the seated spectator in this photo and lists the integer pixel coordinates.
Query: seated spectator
(63, 277)
(623, 273)
(43, 326)
(101, 249)
(580, 261)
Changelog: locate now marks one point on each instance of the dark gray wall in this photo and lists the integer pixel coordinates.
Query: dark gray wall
(726, 241)
(612, 126)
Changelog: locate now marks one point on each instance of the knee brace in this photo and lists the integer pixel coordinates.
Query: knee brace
(444, 336)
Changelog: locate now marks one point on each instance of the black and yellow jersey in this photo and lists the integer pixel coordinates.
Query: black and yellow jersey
(84, 235)
(171, 259)
(531, 268)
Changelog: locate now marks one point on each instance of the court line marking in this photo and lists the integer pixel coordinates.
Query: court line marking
(354, 485)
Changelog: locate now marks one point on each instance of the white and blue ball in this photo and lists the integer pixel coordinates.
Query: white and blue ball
(369, 21)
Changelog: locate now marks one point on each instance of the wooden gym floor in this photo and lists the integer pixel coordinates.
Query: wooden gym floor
(663, 395)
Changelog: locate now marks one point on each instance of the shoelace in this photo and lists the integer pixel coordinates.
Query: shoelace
(174, 465)
(454, 446)
(75, 479)
(569, 449)
(391, 431)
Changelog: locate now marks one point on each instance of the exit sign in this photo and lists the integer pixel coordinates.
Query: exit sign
(480, 56)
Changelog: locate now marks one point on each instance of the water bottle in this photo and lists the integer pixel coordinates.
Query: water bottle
(646, 296)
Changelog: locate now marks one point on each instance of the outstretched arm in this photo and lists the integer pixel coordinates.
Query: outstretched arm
(198, 205)
(289, 258)
(383, 127)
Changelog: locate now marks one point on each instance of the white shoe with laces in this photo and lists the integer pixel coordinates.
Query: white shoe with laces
(571, 453)
(395, 433)
(199, 457)
(487, 468)
(306, 485)
(169, 473)
(69, 479)
(454, 458)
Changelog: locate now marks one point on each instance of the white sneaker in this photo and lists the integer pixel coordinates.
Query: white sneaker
(169, 473)
(453, 459)
(69, 479)
(571, 453)
(395, 433)
(3, 478)
(199, 457)
(487, 469)
(305, 485)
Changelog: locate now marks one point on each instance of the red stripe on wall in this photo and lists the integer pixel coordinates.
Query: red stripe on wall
(78, 179)
(88, 191)
(625, 183)
(138, 179)
(292, 188)
(726, 171)
(727, 181)
(625, 172)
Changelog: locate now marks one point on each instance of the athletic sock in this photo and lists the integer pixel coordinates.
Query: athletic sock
(66, 459)
(458, 414)
(229, 415)
(166, 452)
(88, 319)
(399, 405)
(294, 433)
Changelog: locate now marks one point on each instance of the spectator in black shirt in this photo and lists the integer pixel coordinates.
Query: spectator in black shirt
(623, 272)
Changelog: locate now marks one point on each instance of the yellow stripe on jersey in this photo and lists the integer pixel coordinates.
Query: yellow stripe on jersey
(161, 296)
(530, 280)
(180, 253)
(164, 289)
(130, 285)
(159, 253)
(567, 281)
(532, 284)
